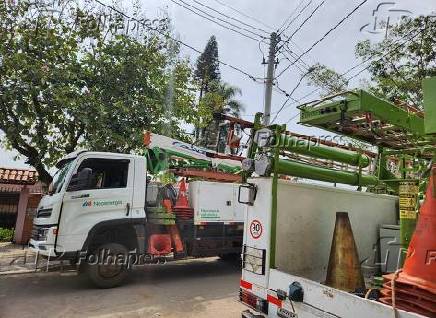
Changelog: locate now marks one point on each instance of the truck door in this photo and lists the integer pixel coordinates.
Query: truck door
(107, 196)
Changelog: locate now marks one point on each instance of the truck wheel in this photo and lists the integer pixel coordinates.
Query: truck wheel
(107, 273)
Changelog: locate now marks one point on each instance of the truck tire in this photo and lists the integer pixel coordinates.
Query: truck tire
(106, 274)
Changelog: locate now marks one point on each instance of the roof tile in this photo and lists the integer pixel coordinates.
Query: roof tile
(18, 176)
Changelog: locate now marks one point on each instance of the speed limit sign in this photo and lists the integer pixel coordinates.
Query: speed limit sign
(256, 229)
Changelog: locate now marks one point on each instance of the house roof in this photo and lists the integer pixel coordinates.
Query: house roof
(18, 176)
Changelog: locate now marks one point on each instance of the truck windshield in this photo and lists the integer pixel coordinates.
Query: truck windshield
(59, 177)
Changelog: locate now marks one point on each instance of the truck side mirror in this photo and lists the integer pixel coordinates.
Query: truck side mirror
(247, 193)
(80, 180)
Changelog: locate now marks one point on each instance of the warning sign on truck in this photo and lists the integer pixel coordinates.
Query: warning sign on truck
(256, 229)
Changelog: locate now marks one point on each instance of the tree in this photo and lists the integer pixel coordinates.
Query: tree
(221, 99)
(402, 60)
(327, 79)
(207, 67)
(397, 64)
(78, 77)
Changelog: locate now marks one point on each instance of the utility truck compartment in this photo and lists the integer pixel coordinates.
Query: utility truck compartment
(298, 251)
(215, 202)
(306, 217)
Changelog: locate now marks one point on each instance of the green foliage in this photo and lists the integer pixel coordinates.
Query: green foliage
(402, 60)
(397, 64)
(207, 67)
(327, 79)
(76, 78)
(6, 235)
(215, 96)
(220, 99)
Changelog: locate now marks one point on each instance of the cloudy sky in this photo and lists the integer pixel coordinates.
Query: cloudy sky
(336, 51)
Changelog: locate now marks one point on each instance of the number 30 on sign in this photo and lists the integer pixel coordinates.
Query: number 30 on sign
(255, 229)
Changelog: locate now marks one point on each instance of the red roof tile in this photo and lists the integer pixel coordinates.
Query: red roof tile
(18, 176)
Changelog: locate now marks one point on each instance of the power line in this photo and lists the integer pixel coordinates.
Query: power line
(290, 94)
(302, 24)
(383, 55)
(366, 60)
(295, 55)
(235, 68)
(295, 18)
(212, 18)
(230, 17)
(244, 14)
(302, 67)
(331, 30)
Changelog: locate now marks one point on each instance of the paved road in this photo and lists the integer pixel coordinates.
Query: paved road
(186, 289)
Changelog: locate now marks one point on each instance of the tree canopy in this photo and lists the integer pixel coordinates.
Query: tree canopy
(81, 77)
(397, 64)
(402, 59)
(207, 67)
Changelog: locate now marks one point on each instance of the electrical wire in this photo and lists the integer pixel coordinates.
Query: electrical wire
(366, 60)
(230, 17)
(290, 95)
(295, 18)
(301, 65)
(244, 14)
(235, 68)
(383, 55)
(210, 17)
(331, 30)
(302, 24)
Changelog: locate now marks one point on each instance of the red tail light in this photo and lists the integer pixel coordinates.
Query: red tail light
(253, 301)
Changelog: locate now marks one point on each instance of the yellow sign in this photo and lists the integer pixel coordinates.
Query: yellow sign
(408, 214)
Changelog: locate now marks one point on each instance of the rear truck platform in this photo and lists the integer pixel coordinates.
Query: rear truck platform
(313, 250)
(298, 253)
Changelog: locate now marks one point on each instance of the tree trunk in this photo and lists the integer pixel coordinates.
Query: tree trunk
(43, 175)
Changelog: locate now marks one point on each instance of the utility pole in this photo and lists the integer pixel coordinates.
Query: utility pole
(270, 77)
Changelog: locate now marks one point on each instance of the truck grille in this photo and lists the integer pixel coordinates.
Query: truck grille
(43, 213)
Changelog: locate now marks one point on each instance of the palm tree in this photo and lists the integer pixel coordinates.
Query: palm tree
(232, 106)
(222, 97)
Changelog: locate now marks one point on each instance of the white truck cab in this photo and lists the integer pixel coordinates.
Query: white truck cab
(89, 188)
(101, 202)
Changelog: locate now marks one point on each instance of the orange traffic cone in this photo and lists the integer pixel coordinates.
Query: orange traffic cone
(176, 238)
(420, 264)
(182, 208)
(182, 199)
(344, 267)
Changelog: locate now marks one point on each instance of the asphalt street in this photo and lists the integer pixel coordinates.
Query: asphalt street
(186, 289)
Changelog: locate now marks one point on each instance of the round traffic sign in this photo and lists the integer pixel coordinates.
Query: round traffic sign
(256, 229)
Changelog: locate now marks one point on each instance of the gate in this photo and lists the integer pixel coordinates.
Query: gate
(8, 209)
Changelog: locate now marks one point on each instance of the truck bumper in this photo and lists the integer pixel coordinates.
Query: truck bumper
(42, 248)
(248, 314)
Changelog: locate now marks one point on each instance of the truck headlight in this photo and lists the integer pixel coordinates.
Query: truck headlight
(40, 233)
(43, 234)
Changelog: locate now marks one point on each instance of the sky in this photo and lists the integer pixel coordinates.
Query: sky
(336, 51)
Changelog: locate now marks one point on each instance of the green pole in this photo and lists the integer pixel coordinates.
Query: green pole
(272, 255)
(297, 169)
(309, 148)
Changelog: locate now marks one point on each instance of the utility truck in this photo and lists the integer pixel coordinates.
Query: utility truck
(311, 249)
(103, 206)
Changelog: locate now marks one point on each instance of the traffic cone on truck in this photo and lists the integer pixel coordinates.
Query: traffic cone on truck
(414, 287)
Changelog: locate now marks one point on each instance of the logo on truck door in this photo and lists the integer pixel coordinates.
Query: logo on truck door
(256, 229)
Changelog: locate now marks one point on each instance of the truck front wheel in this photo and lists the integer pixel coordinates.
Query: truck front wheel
(109, 268)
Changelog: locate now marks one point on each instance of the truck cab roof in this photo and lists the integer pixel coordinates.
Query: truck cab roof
(75, 154)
